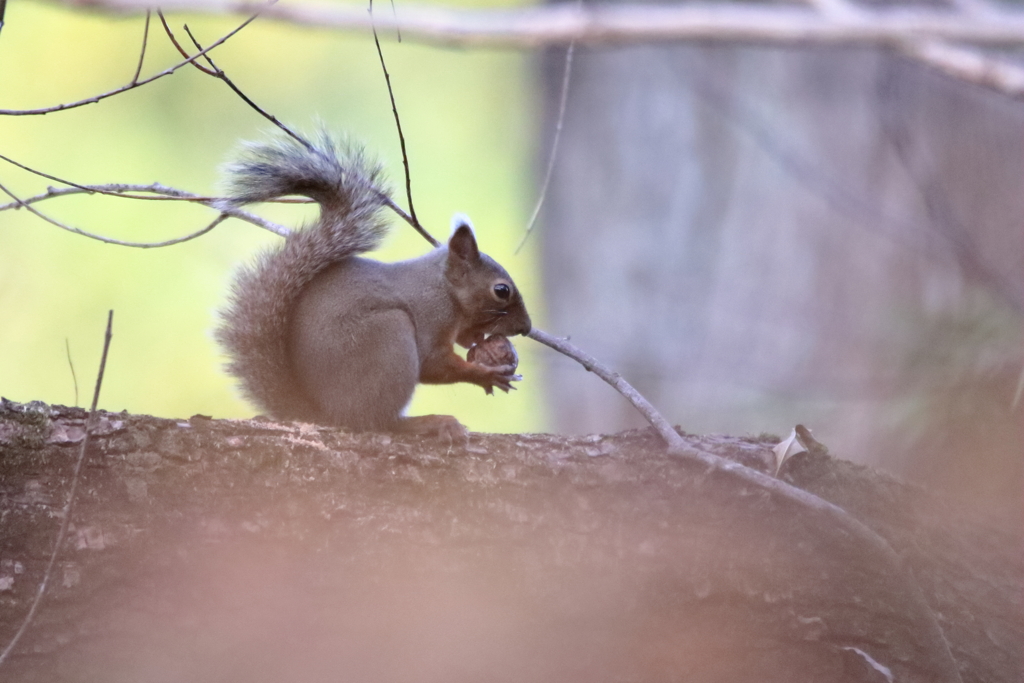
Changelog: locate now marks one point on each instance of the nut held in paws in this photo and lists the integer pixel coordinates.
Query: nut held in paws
(494, 352)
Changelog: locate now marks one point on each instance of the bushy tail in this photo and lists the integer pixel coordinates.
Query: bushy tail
(254, 325)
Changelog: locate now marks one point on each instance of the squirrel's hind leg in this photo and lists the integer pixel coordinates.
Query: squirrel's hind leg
(361, 373)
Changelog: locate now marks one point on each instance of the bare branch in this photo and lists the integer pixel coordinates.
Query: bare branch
(152, 192)
(161, 192)
(536, 26)
(563, 99)
(109, 240)
(157, 193)
(117, 189)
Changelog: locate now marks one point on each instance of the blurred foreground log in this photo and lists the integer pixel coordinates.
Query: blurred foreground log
(210, 550)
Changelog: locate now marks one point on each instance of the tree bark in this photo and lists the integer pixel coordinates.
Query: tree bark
(207, 550)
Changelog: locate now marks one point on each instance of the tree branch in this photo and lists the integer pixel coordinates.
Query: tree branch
(532, 27)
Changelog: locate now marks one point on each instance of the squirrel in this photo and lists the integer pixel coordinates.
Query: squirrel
(318, 333)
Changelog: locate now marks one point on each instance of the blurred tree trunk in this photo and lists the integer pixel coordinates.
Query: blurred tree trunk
(761, 237)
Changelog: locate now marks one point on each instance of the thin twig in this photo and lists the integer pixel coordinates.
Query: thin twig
(128, 86)
(142, 54)
(69, 505)
(563, 98)
(74, 377)
(398, 120)
(385, 199)
(177, 45)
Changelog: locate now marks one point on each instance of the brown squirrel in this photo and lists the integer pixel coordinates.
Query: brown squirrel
(319, 334)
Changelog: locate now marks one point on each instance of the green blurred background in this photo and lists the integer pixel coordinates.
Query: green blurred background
(469, 118)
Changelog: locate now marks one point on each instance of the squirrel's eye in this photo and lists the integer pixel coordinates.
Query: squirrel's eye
(502, 291)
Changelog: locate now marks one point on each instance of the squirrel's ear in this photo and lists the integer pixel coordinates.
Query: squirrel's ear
(462, 243)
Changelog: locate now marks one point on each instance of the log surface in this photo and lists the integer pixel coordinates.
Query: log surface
(212, 550)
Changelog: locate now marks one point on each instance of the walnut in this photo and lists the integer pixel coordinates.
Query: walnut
(494, 352)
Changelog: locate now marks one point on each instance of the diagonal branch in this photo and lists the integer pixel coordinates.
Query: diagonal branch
(957, 61)
(968, 65)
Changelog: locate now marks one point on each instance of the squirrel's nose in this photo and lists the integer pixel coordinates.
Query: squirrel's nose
(526, 326)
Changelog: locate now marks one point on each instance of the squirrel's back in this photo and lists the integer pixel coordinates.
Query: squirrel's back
(254, 325)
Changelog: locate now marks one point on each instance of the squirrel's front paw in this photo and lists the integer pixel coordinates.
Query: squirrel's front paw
(498, 357)
(501, 377)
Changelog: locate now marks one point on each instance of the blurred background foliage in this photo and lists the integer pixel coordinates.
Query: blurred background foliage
(469, 123)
